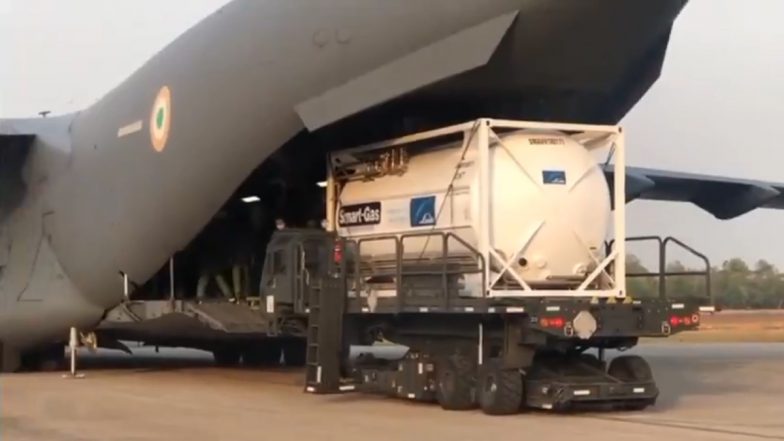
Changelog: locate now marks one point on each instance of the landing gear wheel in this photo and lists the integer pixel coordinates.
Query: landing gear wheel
(226, 357)
(49, 359)
(10, 359)
(630, 368)
(294, 353)
(51, 364)
(456, 377)
(262, 354)
(500, 390)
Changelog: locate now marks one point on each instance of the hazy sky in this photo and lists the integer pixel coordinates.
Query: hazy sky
(718, 107)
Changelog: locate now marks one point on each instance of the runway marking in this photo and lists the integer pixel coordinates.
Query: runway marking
(684, 427)
(130, 129)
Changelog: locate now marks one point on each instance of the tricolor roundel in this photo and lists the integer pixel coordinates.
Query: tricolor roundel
(160, 119)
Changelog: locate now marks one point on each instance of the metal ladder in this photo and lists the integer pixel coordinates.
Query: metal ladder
(325, 339)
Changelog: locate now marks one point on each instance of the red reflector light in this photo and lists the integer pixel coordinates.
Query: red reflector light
(337, 252)
(675, 320)
(687, 321)
(552, 322)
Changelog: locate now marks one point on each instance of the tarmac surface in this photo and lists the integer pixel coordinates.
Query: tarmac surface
(709, 392)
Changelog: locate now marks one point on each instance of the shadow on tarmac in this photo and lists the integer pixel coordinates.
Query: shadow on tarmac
(680, 369)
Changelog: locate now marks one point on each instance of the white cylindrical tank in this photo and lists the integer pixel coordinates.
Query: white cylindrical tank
(549, 206)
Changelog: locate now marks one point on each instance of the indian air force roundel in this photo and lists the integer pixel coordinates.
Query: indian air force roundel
(160, 119)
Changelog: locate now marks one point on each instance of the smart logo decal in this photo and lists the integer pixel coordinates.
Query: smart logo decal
(160, 119)
(360, 214)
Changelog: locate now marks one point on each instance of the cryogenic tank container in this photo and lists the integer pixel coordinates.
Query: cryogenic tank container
(549, 206)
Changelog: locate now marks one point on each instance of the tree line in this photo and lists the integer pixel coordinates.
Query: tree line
(734, 284)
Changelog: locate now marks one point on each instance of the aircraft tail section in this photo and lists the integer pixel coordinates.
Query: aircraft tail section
(33, 284)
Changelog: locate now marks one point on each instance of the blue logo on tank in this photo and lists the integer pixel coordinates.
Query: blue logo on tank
(423, 211)
(554, 177)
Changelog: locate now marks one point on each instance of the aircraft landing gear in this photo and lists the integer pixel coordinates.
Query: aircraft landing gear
(226, 357)
(265, 353)
(294, 353)
(48, 359)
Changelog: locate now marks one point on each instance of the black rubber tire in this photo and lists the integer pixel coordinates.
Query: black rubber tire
(226, 357)
(456, 383)
(51, 365)
(49, 359)
(630, 368)
(10, 359)
(593, 361)
(294, 353)
(262, 354)
(500, 390)
(638, 406)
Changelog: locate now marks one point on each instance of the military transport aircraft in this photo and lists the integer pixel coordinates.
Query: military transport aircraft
(250, 99)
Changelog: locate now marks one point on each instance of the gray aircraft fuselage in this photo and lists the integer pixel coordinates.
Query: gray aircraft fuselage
(123, 185)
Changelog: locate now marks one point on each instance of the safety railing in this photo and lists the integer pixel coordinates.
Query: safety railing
(662, 274)
(400, 268)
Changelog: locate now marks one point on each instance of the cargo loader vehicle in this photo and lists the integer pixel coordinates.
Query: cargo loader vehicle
(494, 251)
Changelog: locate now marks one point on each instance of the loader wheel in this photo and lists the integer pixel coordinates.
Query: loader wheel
(500, 390)
(630, 368)
(638, 406)
(294, 353)
(226, 357)
(456, 377)
(593, 361)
